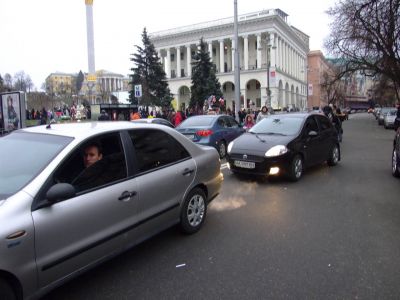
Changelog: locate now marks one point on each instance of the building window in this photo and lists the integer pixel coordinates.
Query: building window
(172, 57)
(257, 85)
(214, 51)
(182, 72)
(258, 102)
(182, 55)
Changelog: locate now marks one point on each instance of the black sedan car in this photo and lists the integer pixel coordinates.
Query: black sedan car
(285, 144)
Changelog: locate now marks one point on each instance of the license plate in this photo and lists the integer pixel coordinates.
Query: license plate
(245, 164)
(190, 136)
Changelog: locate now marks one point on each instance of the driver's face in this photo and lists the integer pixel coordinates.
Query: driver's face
(91, 155)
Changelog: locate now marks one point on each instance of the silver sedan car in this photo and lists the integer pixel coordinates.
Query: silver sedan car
(73, 195)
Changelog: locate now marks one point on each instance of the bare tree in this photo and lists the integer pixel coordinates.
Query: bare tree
(2, 88)
(333, 87)
(365, 35)
(8, 81)
(20, 81)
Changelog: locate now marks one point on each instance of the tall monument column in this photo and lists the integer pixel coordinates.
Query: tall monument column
(90, 35)
(91, 79)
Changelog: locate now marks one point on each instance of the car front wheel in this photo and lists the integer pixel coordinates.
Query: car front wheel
(296, 168)
(333, 156)
(222, 149)
(6, 291)
(194, 210)
(395, 164)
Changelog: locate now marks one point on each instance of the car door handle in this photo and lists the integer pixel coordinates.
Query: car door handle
(125, 196)
(187, 172)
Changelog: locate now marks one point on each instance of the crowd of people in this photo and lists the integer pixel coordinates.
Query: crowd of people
(72, 112)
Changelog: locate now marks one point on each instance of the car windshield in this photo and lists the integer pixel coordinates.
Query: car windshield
(392, 112)
(23, 156)
(198, 121)
(278, 125)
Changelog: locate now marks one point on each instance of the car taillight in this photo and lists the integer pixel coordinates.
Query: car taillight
(204, 133)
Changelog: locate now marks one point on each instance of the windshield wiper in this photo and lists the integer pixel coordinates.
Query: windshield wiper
(255, 133)
(274, 133)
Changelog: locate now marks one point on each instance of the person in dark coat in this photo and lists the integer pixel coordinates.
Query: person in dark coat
(104, 116)
(328, 111)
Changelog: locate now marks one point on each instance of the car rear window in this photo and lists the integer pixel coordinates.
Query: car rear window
(23, 156)
(197, 121)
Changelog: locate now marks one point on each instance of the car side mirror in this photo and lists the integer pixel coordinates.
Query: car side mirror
(312, 133)
(60, 191)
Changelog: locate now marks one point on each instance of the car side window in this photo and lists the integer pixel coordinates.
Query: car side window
(324, 123)
(233, 123)
(98, 161)
(311, 125)
(221, 122)
(155, 148)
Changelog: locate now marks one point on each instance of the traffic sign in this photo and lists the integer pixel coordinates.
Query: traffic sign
(138, 90)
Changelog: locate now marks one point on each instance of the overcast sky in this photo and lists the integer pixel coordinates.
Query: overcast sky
(40, 37)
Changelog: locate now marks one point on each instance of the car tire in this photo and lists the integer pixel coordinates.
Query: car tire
(295, 168)
(222, 149)
(6, 291)
(334, 156)
(194, 210)
(395, 164)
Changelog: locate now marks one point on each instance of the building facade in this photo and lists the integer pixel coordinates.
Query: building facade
(317, 70)
(273, 55)
(60, 83)
(103, 87)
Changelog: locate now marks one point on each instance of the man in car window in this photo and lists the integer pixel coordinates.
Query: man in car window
(91, 154)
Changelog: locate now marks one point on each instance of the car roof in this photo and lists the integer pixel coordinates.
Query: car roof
(84, 129)
(296, 114)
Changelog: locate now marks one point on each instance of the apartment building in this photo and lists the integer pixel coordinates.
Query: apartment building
(273, 56)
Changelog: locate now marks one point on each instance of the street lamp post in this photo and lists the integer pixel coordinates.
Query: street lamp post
(237, 63)
(268, 104)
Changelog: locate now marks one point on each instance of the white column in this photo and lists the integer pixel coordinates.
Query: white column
(189, 60)
(273, 50)
(210, 50)
(221, 56)
(159, 55)
(229, 56)
(233, 55)
(259, 51)
(178, 61)
(246, 53)
(168, 63)
(244, 98)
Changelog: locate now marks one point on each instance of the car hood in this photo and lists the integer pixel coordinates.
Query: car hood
(259, 143)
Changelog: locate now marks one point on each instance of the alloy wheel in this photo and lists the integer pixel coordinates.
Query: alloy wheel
(195, 210)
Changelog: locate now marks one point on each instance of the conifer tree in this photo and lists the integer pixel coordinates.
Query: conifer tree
(204, 81)
(149, 73)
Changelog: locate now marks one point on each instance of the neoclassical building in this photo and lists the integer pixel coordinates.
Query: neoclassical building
(272, 54)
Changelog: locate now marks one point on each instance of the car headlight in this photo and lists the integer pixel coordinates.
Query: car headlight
(276, 151)
(230, 147)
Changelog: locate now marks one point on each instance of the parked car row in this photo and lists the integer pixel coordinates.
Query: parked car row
(385, 116)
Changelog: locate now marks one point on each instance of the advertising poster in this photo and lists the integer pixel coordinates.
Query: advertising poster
(11, 112)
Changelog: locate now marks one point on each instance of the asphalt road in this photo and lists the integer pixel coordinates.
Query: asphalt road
(335, 234)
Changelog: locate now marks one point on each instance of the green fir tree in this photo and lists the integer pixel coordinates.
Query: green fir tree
(204, 81)
(149, 72)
